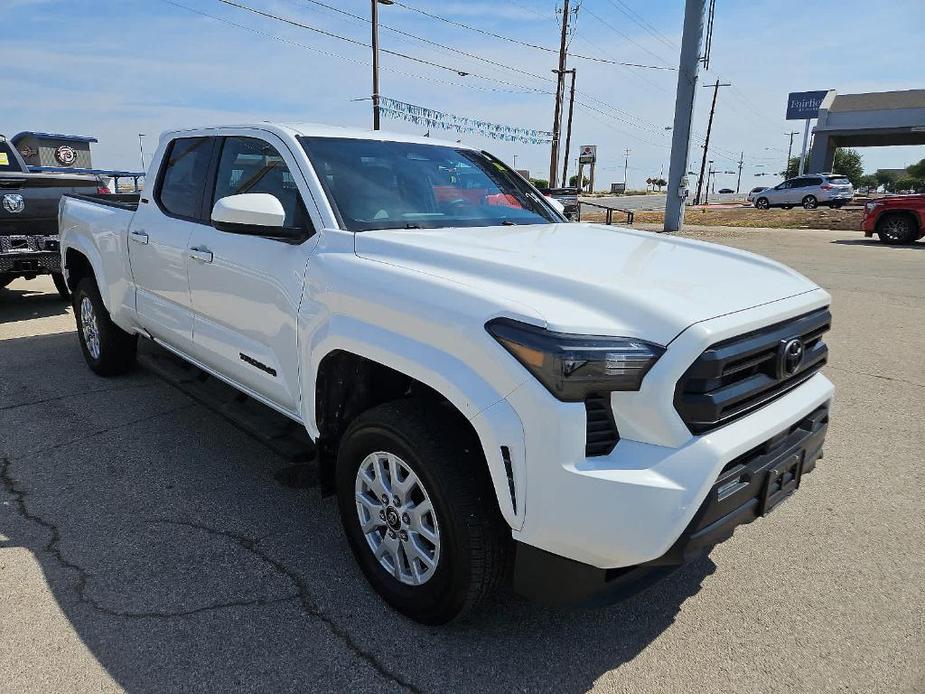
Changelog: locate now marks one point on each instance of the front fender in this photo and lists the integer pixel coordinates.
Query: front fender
(493, 419)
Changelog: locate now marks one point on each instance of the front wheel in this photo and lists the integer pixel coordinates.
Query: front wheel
(107, 348)
(810, 202)
(419, 511)
(61, 285)
(896, 229)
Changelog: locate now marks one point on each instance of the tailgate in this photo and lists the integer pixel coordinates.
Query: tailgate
(29, 201)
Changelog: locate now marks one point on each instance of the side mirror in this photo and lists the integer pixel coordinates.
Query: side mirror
(258, 214)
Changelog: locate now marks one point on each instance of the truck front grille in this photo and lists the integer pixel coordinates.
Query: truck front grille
(738, 375)
(601, 430)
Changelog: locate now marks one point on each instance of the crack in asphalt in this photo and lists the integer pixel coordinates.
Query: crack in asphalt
(106, 430)
(880, 376)
(301, 593)
(306, 602)
(78, 394)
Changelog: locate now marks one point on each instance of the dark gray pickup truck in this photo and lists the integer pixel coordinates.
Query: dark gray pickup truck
(29, 217)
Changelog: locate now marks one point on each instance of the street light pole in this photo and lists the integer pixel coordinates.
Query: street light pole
(626, 166)
(790, 151)
(375, 43)
(557, 114)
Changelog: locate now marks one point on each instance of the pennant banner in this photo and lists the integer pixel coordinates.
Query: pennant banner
(420, 115)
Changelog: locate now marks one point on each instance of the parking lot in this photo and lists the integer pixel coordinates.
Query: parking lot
(147, 544)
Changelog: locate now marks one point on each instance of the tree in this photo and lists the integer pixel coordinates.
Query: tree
(660, 182)
(906, 183)
(540, 182)
(885, 178)
(573, 181)
(869, 181)
(917, 171)
(847, 162)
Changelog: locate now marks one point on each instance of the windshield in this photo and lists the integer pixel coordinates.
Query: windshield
(401, 185)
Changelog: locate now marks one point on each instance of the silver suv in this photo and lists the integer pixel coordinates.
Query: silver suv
(810, 191)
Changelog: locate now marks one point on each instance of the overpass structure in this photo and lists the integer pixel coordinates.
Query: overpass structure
(875, 119)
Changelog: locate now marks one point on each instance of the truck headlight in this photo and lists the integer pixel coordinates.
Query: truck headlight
(573, 366)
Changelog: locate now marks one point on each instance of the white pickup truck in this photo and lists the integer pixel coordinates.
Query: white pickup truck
(496, 395)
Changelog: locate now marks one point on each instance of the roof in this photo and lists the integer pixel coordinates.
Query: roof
(321, 130)
(54, 136)
(876, 101)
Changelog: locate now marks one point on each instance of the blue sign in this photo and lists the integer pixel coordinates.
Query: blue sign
(803, 105)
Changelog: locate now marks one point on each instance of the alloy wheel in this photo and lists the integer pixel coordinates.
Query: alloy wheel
(397, 518)
(89, 327)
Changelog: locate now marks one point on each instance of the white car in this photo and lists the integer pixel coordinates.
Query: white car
(810, 192)
(495, 394)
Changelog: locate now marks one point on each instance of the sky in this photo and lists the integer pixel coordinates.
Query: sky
(116, 69)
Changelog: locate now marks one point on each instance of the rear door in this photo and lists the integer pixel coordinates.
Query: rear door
(246, 289)
(159, 239)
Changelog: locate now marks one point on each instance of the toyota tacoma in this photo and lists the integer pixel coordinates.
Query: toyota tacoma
(497, 396)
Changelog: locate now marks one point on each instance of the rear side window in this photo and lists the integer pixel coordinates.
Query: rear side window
(250, 165)
(8, 160)
(814, 181)
(186, 168)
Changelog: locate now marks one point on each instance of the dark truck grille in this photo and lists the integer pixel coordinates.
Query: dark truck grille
(735, 376)
(601, 431)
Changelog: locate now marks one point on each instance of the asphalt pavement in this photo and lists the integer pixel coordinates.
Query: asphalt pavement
(148, 545)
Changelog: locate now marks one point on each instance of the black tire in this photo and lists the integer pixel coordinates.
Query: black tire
(837, 205)
(61, 285)
(116, 348)
(897, 229)
(810, 202)
(475, 542)
(762, 204)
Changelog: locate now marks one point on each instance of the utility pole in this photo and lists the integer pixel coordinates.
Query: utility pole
(141, 146)
(568, 130)
(375, 43)
(790, 151)
(706, 142)
(739, 179)
(557, 116)
(626, 165)
(689, 63)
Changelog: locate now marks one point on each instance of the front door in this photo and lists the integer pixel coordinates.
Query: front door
(159, 238)
(246, 289)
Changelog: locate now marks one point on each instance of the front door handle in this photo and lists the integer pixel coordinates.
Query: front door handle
(200, 254)
(139, 236)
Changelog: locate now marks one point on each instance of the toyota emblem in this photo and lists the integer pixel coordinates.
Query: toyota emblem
(14, 203)
(790, 357)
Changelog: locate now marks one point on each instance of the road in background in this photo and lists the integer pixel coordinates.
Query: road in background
(147, 544)
(653, 202)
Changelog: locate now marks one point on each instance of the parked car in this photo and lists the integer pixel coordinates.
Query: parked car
(495, 394)
(896, 219)
(567, 197)
(29, 217)
(751, 194)
(726, 191)
(810, 191)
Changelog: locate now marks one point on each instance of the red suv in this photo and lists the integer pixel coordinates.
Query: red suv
(897, 219)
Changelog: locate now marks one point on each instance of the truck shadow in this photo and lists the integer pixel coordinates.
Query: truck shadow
(876, 242)
(24, 303)
(181, 562)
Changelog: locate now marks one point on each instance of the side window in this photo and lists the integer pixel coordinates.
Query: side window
(186, 167)
(784, 186)
(250, 165)
(814, 181)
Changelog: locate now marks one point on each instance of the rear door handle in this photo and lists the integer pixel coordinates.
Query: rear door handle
(138, 236)
(200, 254)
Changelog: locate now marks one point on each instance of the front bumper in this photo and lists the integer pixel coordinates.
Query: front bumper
(748, 487)
(29, 255)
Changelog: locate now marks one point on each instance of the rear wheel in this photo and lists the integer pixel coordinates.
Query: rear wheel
(762, 203)
(810, 202)
(419, 511)
(61, 285)
(896, 229)
(107, 348)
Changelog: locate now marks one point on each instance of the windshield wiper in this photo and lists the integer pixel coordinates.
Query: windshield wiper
(412, 225)
(508, 223)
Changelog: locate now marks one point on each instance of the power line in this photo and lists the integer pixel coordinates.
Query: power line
(299, 44)
(631, 40)
(640, 20)
(527, 44)
(302, 25)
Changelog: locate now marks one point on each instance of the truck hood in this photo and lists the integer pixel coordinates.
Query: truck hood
(593, 279)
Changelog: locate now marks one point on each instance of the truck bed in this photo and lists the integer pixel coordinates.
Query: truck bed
(124, 201)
